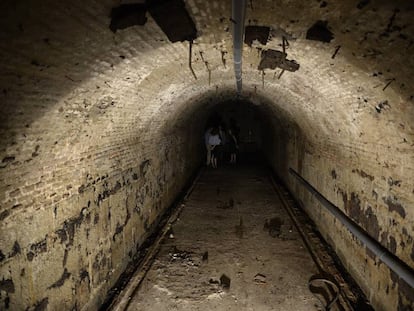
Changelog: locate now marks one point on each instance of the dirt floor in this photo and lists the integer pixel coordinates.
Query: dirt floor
(233, 247)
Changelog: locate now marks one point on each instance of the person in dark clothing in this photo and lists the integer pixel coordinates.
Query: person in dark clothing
(208, 147)
(214, 145)
(233, 146)
(235, 128)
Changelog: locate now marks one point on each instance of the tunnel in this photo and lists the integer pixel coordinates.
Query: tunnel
(104, 109)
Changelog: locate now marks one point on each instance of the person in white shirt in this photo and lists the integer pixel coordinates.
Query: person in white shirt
(214, 142)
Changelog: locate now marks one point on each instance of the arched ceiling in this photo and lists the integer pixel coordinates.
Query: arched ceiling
(81, 103)
(62, 63)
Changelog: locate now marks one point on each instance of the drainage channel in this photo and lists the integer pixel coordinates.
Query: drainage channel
(120, 296)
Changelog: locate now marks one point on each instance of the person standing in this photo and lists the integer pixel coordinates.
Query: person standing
(223, 148)
(214, 142)
(233, 146)
(207, 135)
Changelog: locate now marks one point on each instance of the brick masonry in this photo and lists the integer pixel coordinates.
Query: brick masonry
(100, 131)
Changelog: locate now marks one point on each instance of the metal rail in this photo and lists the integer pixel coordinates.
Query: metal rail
(124, 298)
(384, 255)
(339, 294)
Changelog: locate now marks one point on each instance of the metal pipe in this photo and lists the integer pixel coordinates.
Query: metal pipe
(238, 14)
(393, 262)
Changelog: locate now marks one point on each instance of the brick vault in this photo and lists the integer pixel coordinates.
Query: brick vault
(103, 104)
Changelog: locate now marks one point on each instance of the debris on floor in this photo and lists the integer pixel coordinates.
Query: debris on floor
(213, 281)
(225, 204)
(259, 278)
(240, 228)
(181, 256)
(225, 281)
(205, 256)
(273, 226)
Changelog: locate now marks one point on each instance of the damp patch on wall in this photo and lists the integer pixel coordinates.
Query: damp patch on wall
(127, 15)
(259, 33)
(320, 32)
(272, 59)
(173, 19)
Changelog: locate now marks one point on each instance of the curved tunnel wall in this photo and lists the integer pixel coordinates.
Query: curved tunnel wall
(100, 131)
(340, 173)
